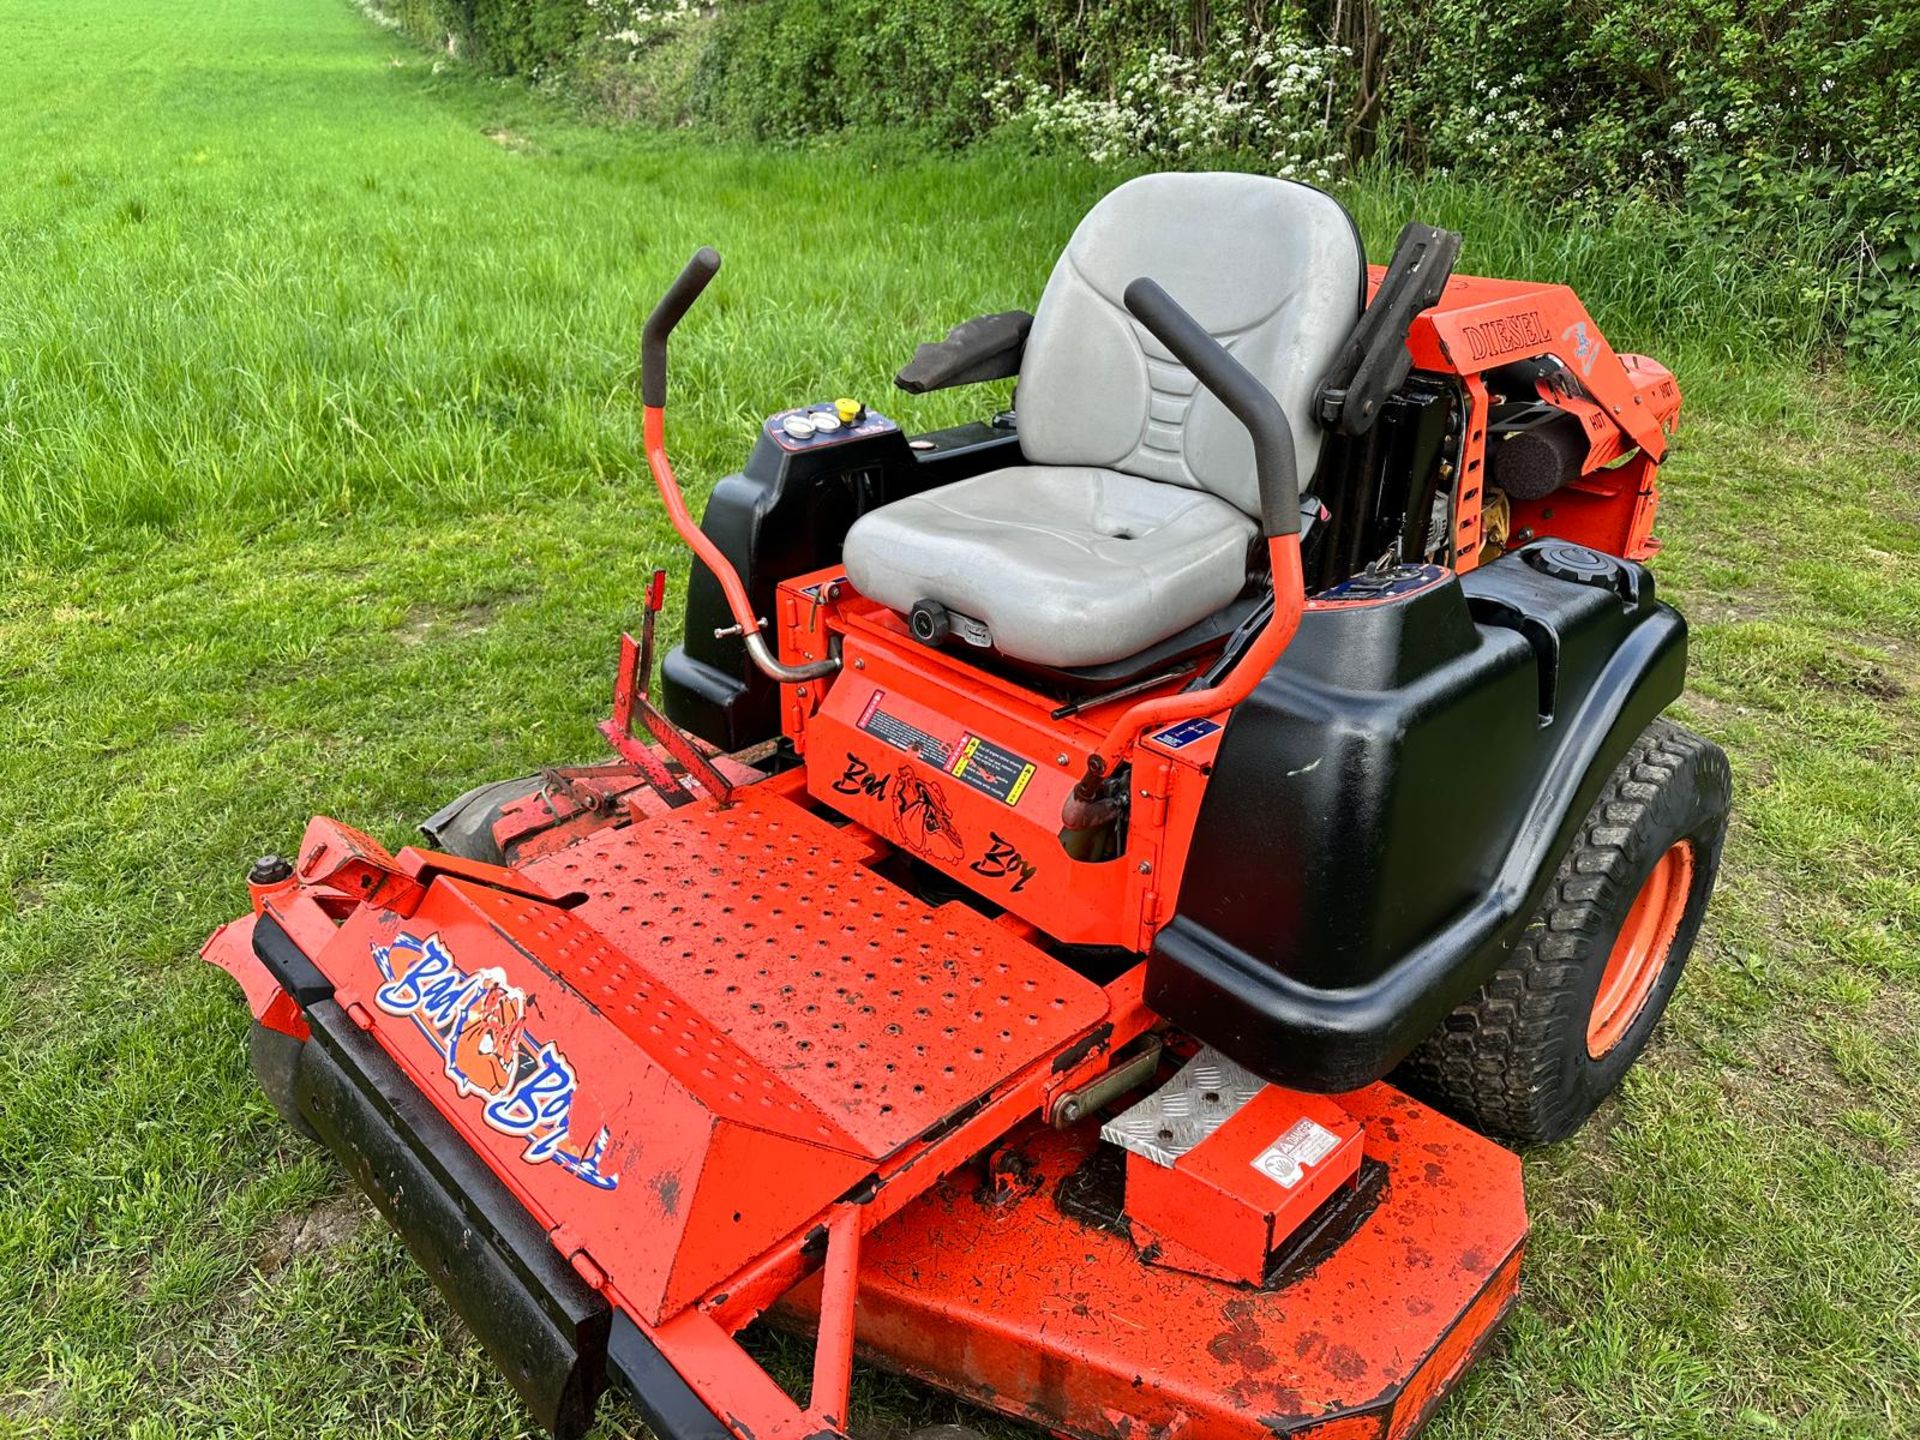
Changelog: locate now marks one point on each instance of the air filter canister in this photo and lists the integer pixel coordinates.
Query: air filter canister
(1535, 449)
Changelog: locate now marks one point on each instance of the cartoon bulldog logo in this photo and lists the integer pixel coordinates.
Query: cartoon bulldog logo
(922, 817)
(484, 1044)
(477, 1021)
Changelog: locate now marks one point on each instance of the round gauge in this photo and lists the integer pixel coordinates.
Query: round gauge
(825, 421)
(798, 427)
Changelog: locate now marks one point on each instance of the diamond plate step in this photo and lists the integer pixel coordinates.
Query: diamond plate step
(763, 923)
(1206, 1094)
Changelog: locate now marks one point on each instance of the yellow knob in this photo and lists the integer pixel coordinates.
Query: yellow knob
(848, 410)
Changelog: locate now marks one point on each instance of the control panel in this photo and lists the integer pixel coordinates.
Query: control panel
(829, 422)
(1389, 582)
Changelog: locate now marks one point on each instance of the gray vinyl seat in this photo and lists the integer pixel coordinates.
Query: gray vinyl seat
(1134, 518)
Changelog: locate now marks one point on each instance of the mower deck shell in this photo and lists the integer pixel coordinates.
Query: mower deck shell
(729, 1022)
(1033, 1302)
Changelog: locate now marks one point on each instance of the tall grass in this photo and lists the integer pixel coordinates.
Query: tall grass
(300, 271)
(263, 259)
(1640, 268)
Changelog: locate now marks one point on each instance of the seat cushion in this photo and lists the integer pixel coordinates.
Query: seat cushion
(1271, 269)
(1067, 565)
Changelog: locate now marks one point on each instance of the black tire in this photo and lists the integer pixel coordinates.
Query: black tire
(275, 1058)
(464, 827)
(1514, 1061)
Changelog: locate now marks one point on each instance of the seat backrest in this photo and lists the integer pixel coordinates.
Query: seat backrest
(1274, 270)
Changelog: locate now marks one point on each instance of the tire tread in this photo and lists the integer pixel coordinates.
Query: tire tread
(1497, 1061)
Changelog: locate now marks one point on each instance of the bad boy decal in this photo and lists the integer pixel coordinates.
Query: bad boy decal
(477, 1023)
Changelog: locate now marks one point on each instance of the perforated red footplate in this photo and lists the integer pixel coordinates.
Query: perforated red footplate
(767, 923)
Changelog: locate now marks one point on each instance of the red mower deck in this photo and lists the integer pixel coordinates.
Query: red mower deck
(734, 1047)
(1029, 1295)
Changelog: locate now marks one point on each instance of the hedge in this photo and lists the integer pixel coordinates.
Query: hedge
(1763, 121)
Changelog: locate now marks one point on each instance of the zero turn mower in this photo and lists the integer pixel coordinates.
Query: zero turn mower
(1096, 884)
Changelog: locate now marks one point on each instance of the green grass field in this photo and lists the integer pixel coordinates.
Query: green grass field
(318, 442)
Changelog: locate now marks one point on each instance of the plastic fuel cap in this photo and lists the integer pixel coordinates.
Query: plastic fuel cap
(849, 410)
(1564, 560)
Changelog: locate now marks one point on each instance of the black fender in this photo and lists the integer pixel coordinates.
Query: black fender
(1388, 807)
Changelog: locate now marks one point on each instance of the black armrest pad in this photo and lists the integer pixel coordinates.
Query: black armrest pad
(985, 348)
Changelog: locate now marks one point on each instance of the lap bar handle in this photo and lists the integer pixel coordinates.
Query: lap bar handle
(673, 306)
(1278, 473)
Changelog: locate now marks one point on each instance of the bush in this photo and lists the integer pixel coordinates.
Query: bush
(791, 68)
(1273, 99)
(1766, 121)
(1788, 130)
(537, 39)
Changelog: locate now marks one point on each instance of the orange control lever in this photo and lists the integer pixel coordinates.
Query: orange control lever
(654, 430)
(1276, 470)
(680, 296)
(1289, 603)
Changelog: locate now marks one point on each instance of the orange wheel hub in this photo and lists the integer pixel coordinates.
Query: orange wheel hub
(1640, 952)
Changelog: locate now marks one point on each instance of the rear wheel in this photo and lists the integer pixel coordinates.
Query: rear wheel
(1550, 1035)
(464, 827)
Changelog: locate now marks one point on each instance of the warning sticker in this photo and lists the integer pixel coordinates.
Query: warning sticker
(986, 767)
(1304, 1144)
(902, 734)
